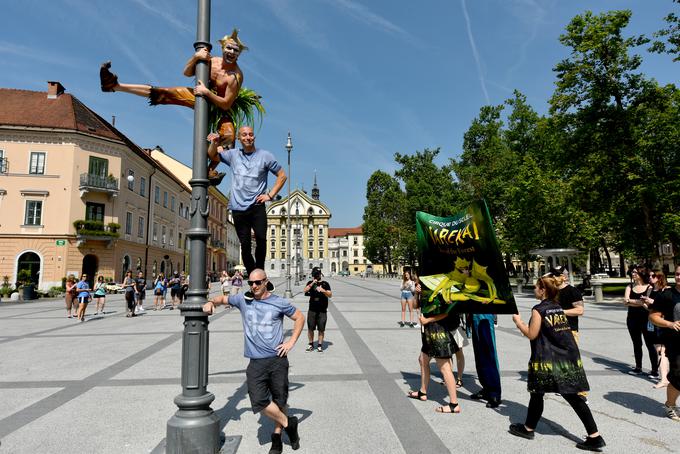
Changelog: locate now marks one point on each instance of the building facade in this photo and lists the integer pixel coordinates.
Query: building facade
(223, 247)
(307, 246)
(80, 197)
(346, 247)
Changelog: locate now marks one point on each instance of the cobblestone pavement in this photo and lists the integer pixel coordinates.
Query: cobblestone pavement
(107, 385)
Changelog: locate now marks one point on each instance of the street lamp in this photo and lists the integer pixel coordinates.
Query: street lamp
(289, 293)
(297, 242)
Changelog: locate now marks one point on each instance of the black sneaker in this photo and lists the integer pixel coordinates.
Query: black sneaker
(521, 431)
(277, 444)
(309, 348)
(592, 444)
(108, 80)
(636, 371)
(493, 402)
(292, 431)
(319, 349)
(270, 286)
(248, 296)
(479, 395)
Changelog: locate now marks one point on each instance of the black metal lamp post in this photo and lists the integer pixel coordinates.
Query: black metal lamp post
(195, 428)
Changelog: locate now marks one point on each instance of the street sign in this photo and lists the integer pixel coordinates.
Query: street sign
(61, 242)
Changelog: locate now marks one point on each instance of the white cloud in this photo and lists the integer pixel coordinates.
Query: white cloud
(475, 54)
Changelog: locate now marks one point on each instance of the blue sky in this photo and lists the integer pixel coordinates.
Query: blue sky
(353, 81)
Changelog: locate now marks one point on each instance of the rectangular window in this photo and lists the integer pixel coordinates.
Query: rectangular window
(179, 240)
(157, 194)
(128, 223)
(172, 203)
(272, 255)
(98, 167)
(142, 187)
(37, 163)
(140, 227)
(320, 244)
(181, 209)
(33, 212)
(311, 254)
(165, 199)
(320, 254)
(283, 255)
(356, 253)
(272, 267)
(311, 244)
(94, 211)
(273, 243)
(163, 232)
(273, 231)
(344, 253)
(155, 231)
(131, 181)
(3, 162)
(355, 241)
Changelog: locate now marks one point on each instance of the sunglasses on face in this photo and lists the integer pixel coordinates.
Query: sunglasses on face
(256, 283)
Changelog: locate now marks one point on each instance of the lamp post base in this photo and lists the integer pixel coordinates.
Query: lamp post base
(287, 294)
(193, 431)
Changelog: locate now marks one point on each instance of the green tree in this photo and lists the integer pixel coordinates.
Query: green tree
(668, 38)
(428, 187)
(382, 216)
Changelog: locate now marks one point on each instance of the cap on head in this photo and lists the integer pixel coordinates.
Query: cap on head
(233, 38)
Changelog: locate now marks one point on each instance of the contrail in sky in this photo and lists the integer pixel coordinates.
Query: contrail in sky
(475, 54)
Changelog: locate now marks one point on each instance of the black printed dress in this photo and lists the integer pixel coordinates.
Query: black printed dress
(555, 364)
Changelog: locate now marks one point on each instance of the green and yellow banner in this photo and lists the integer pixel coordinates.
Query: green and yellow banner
(461, 267)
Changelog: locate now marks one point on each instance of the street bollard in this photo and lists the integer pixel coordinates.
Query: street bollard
(597, 291)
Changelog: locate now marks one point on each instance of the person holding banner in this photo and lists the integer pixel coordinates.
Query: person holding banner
(438, 342)
(555, 365)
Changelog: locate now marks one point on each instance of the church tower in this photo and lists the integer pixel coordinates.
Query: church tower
(315, 189)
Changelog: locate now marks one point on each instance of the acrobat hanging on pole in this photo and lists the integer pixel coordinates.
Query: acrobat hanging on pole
(231, 105)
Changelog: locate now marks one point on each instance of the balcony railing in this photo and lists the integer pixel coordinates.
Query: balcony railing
(4, 165)
(217, 244)
(95, 231)
(98, 183)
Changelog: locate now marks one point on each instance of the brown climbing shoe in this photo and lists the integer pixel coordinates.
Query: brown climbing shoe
(108, 80)
(216, 178)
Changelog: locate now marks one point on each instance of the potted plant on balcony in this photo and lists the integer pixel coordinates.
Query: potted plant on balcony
(25, 283)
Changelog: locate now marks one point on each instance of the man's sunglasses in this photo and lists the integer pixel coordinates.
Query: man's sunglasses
(258, 282)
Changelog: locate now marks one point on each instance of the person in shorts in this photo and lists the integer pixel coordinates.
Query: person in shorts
(129, 286)
(83, 289)
(267, 372)
(100, 294)
(318, 291)
(437, 336)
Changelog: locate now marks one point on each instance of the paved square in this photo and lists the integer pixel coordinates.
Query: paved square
(107, 385)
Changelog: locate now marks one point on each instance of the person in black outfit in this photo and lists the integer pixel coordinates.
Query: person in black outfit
(638, 316)
(555, 364)
(666, 315)
(318, 291)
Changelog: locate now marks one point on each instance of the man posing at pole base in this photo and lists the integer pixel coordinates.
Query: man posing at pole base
(267, 372)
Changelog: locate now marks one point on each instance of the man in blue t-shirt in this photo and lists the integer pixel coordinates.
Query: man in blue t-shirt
(250, 167)
(267, 372)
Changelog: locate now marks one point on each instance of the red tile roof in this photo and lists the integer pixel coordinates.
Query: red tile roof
(33, 109)
(344, 231)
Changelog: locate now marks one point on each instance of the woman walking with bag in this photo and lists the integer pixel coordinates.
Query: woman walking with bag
(555, 365)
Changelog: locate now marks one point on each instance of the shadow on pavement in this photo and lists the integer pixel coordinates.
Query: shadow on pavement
(636, 403)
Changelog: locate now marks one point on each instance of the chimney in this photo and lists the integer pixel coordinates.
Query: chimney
(54, 89)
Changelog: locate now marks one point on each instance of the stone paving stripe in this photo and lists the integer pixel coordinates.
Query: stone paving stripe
(29, 414)
(414, 433)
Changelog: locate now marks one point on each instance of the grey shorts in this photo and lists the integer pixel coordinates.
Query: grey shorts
(316, 321)
(267, 381)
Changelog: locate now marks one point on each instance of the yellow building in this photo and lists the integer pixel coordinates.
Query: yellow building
(77, 196)
(308, 246)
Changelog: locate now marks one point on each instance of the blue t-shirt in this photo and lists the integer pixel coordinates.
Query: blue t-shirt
(262, 324)
(249, 175)
(83, 289)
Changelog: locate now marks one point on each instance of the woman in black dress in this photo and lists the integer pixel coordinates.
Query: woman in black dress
(555, 364)
(637, 318)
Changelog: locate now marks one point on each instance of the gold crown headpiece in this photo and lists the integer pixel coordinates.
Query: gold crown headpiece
(233, 38)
